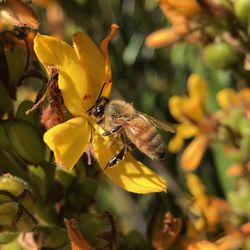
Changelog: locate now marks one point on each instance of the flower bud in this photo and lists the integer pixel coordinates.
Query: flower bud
(16, 205)
(242, 9)
(240, 199)
(233, 118)
(219, 55)
(16, 59)
(55, 238)
(32, 118)
(244, 126)
(245, 145)
(6, 237)
(4, 140)
(5, 100)
(26, 140)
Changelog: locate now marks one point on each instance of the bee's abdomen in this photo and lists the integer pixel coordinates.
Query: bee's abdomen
(151, 143)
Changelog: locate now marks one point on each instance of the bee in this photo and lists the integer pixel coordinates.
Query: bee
(136, 129)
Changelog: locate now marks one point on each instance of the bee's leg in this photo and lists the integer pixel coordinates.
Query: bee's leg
(128, 146)
(100, 121)
(112, 131)
(116, 158)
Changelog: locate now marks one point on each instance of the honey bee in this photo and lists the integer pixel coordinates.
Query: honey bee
(136, 129)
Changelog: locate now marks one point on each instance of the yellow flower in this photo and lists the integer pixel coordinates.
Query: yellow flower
(190, 112)
(82, 71)
(178, 13)
(228, 98)
(210, 209)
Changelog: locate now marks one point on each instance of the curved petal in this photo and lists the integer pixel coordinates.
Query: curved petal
(244, 95)
(68, 141)
(187, 130)
(194, 152)
(73, 78)
(176, 143)
(104, 48)
(163, 37)
(226, 98)
(197, 88)
(92, 60)
(184, 7)
(176, 104)
(193, 110)
(183, 131)
(129, 174)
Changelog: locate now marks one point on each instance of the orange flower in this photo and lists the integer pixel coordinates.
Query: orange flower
(179, 14)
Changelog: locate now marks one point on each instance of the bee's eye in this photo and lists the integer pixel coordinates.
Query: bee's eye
(99, 111)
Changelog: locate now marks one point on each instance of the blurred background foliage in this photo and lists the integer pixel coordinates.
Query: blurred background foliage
(36, 196)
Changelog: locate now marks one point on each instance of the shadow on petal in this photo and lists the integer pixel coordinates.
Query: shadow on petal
(129, 174)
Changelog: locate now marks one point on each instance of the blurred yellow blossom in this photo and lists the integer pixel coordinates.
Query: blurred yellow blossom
(82, 72)
(228, 98)
(178, 13)
(209, 208)
(190, 112)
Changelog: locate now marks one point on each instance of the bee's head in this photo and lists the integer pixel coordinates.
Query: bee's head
(99, 107)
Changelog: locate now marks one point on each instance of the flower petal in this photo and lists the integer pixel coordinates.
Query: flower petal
(74, 80)
(197, 87)
(129, 174)
(194, 152)
(244, 95)
(163, 37)
(193, 110)
(187, 130)
(104, 48)
(184, 7)
(176, 104)
(183, 131)
(175, 143)
(68, 141)
(91, 59)
(226, 98)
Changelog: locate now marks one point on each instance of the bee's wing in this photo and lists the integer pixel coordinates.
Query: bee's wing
(159, 124)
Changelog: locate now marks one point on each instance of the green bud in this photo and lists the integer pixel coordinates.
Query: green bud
(55, 238)
(63, 177)
(5, 100)
(135, 240)
(16, 205)
(240, 199)
(18, 188)
(91, 225)
(234, 118)
(219, 55)
(6, 237)
(26, 140)
(32, 118)
(86, 189)
(244, 126)
(8, 213)
(16, 59)
(242, 9)
(4, 140)
(245, 145)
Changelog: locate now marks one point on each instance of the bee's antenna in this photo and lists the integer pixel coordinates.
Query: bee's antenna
(104, 84)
